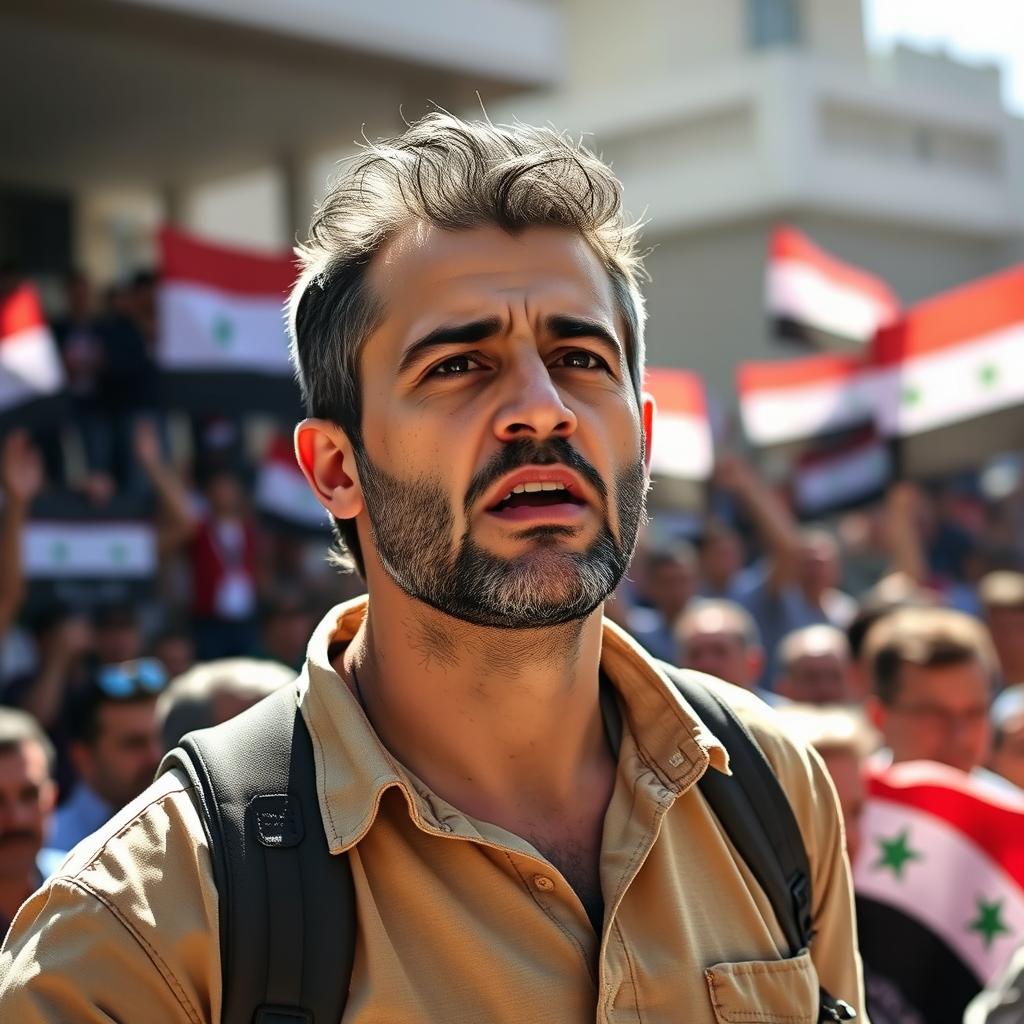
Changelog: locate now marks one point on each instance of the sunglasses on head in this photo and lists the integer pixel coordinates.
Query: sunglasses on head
(129, 678)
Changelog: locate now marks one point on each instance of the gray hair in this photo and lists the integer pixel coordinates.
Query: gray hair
(456, 175)
(723, 617)
(810, 642)
(18, 727)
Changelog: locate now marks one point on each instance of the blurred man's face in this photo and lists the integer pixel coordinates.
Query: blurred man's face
(121, 762)
(721, 557)
(27, 797)
(939, 714)
(176, 653)
(817, 679)
(669, 586)
(722, 654)
(845, 768)
(225, 496)
(503, 470)
(1007, 628)
(1008, 755)
(118, 641)
(818, 565)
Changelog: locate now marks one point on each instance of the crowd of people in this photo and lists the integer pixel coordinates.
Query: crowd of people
(894, 631)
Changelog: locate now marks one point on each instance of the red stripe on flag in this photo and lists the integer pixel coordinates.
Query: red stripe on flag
(787, 243)
(187, 259)
(20, 311)
(829, 368)
(678, 391)
(996, 829)
(953, 318)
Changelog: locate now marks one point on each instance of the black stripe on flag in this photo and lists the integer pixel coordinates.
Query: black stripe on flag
(812, 338)
(907, 963)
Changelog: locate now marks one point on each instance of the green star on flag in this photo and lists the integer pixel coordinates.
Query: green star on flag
(895, 853)
(59, 551)
(118, 553)
(911, 395)
(989, 923)
(223, 331)
(989, 375)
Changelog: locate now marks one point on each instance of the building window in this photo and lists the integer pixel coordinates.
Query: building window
(773, 23)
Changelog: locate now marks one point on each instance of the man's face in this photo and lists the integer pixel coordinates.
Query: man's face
(939, 713)
(721, 654)
(502, 470)
(818, 564)
(845, 768)
(27, 796)
(721, 558)
(122, 760)
(817, 679)
(1008, 755)
(1007, 628)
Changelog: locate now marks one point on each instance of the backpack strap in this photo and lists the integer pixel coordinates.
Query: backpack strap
(287, 906)
(754, 811)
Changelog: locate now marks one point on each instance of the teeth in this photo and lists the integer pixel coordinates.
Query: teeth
(533, 488)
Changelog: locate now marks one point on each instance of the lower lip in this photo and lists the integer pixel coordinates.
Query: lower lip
(565, 512)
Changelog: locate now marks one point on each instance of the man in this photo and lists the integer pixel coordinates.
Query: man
(27, 796)
(932, 671)
(666, 582)
(1002, 597)
(115, 745)
(469, 337)
(814, 666)
(720, 639)
(1007, 718)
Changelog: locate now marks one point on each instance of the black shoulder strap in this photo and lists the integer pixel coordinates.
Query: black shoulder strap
(287, 908)
(755, 812)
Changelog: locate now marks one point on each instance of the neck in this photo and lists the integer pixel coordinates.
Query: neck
(490, 719)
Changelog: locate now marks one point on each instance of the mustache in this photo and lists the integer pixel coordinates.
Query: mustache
(525, 452)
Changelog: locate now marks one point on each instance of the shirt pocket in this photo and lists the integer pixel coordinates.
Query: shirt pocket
(765, 991)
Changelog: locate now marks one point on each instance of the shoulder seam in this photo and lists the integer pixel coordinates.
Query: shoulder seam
(154, 957)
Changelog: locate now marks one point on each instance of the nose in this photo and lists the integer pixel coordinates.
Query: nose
(532, 406)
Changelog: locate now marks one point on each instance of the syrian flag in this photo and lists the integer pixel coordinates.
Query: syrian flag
(682, 452)
(282, 493)
(222, 344)
(951, 376)
(940, 888)
(836, 477)
(819, 301)
(31, 374)
(798, 401)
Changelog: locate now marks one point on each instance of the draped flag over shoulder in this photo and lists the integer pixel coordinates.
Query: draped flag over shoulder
(950, 376)
(31, 374)
(282, 493)
(682, 454)
(940, 889)
(819, 301)
(222, 340)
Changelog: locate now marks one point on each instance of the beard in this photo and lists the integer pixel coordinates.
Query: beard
(412, 523)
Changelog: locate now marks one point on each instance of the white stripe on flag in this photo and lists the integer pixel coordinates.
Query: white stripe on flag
(30, 366)
(981, 376)
(285, 493)
(847, 476)
(682, 446)
(780, 415)
(54, 550)
(942, 886)
(809, 296)
(203, 328)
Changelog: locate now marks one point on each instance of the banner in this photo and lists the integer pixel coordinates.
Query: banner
(940, 889)
(31, 373)
(282, 493)
(222, 345)
(682, 452)
(836, 477)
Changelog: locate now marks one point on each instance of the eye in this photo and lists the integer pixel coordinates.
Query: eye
(453, 366)
(581, 359)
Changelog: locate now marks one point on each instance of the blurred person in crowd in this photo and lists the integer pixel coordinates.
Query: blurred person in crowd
(1007, 759)
(932, 672)
(666, 580)
(175, 649)
(720, 639)
(1002, 598)
(118, 632)
(469, 337)
(286, 621)
(27, 797)
(222, 543)
(21, 479)
(814, 666)
(213, 692)
(845, 740)
(115, 745)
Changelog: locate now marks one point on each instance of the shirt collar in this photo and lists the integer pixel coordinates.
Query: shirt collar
(354, 768)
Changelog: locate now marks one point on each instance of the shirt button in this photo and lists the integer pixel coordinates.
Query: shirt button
(543, 883)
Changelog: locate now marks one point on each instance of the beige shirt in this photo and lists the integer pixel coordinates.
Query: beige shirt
(459, 920)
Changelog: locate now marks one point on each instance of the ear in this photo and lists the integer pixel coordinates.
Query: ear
(647, 410)
(327, 460)
(48, 796)
(876, 712)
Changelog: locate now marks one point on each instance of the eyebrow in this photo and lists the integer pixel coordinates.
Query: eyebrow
(561, 325)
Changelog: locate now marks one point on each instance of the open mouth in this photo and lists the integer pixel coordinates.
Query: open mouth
(537, 495)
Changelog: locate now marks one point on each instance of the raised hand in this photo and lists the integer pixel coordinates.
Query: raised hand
(21, 468)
